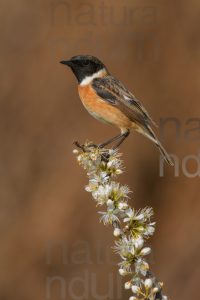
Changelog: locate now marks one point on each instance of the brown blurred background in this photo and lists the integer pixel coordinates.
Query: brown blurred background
(52, 245)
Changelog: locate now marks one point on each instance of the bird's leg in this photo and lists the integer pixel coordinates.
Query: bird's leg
(123, 137)
(92, 145)
(115, 138)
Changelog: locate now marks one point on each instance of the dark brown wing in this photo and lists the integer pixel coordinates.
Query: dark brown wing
(114, 92)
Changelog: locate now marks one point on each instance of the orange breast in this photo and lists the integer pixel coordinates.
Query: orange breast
(101, 109)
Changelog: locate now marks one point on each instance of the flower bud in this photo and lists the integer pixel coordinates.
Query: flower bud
(75, 151)
(132, 251)
(148, 283)
(135, 289)
(155, 290)
(118, 171)
(88, 188)
(122, 272)
(110, 203)
(117, 232)
(110, 163)
(127, 285)
(150, 230)
(145, 251)
(132, 298)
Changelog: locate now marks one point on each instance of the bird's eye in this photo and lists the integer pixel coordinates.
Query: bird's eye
(86, 63)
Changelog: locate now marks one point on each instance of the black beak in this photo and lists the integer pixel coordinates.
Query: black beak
(67, 62)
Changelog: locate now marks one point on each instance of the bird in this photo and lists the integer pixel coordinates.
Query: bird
(109, 101)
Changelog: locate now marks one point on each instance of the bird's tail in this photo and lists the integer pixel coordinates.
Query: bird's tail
(148, 132)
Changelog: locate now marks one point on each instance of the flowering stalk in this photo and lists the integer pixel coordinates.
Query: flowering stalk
(131, 228)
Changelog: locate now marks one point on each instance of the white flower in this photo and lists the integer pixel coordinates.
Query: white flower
(104, 176)
(141, 266)
(134, 216)
(145, 251)
(111, 190)
(126, 265)
(148, 283)
(108, 217)
(135, 289)
(102, 166)
(102, 193)
(125, 246)
(124, 190)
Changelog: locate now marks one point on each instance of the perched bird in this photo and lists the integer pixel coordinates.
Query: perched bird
(107, 99)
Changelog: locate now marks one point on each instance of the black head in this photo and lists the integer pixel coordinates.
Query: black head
(84, 65)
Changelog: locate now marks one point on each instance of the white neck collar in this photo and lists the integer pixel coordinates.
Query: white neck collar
(88, 79)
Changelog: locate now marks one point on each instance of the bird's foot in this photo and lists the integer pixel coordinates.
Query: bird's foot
(84, 147)
(92, 145)
(78, 145)
(101, 146)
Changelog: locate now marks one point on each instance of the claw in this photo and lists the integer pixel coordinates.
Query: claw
(77, 144)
